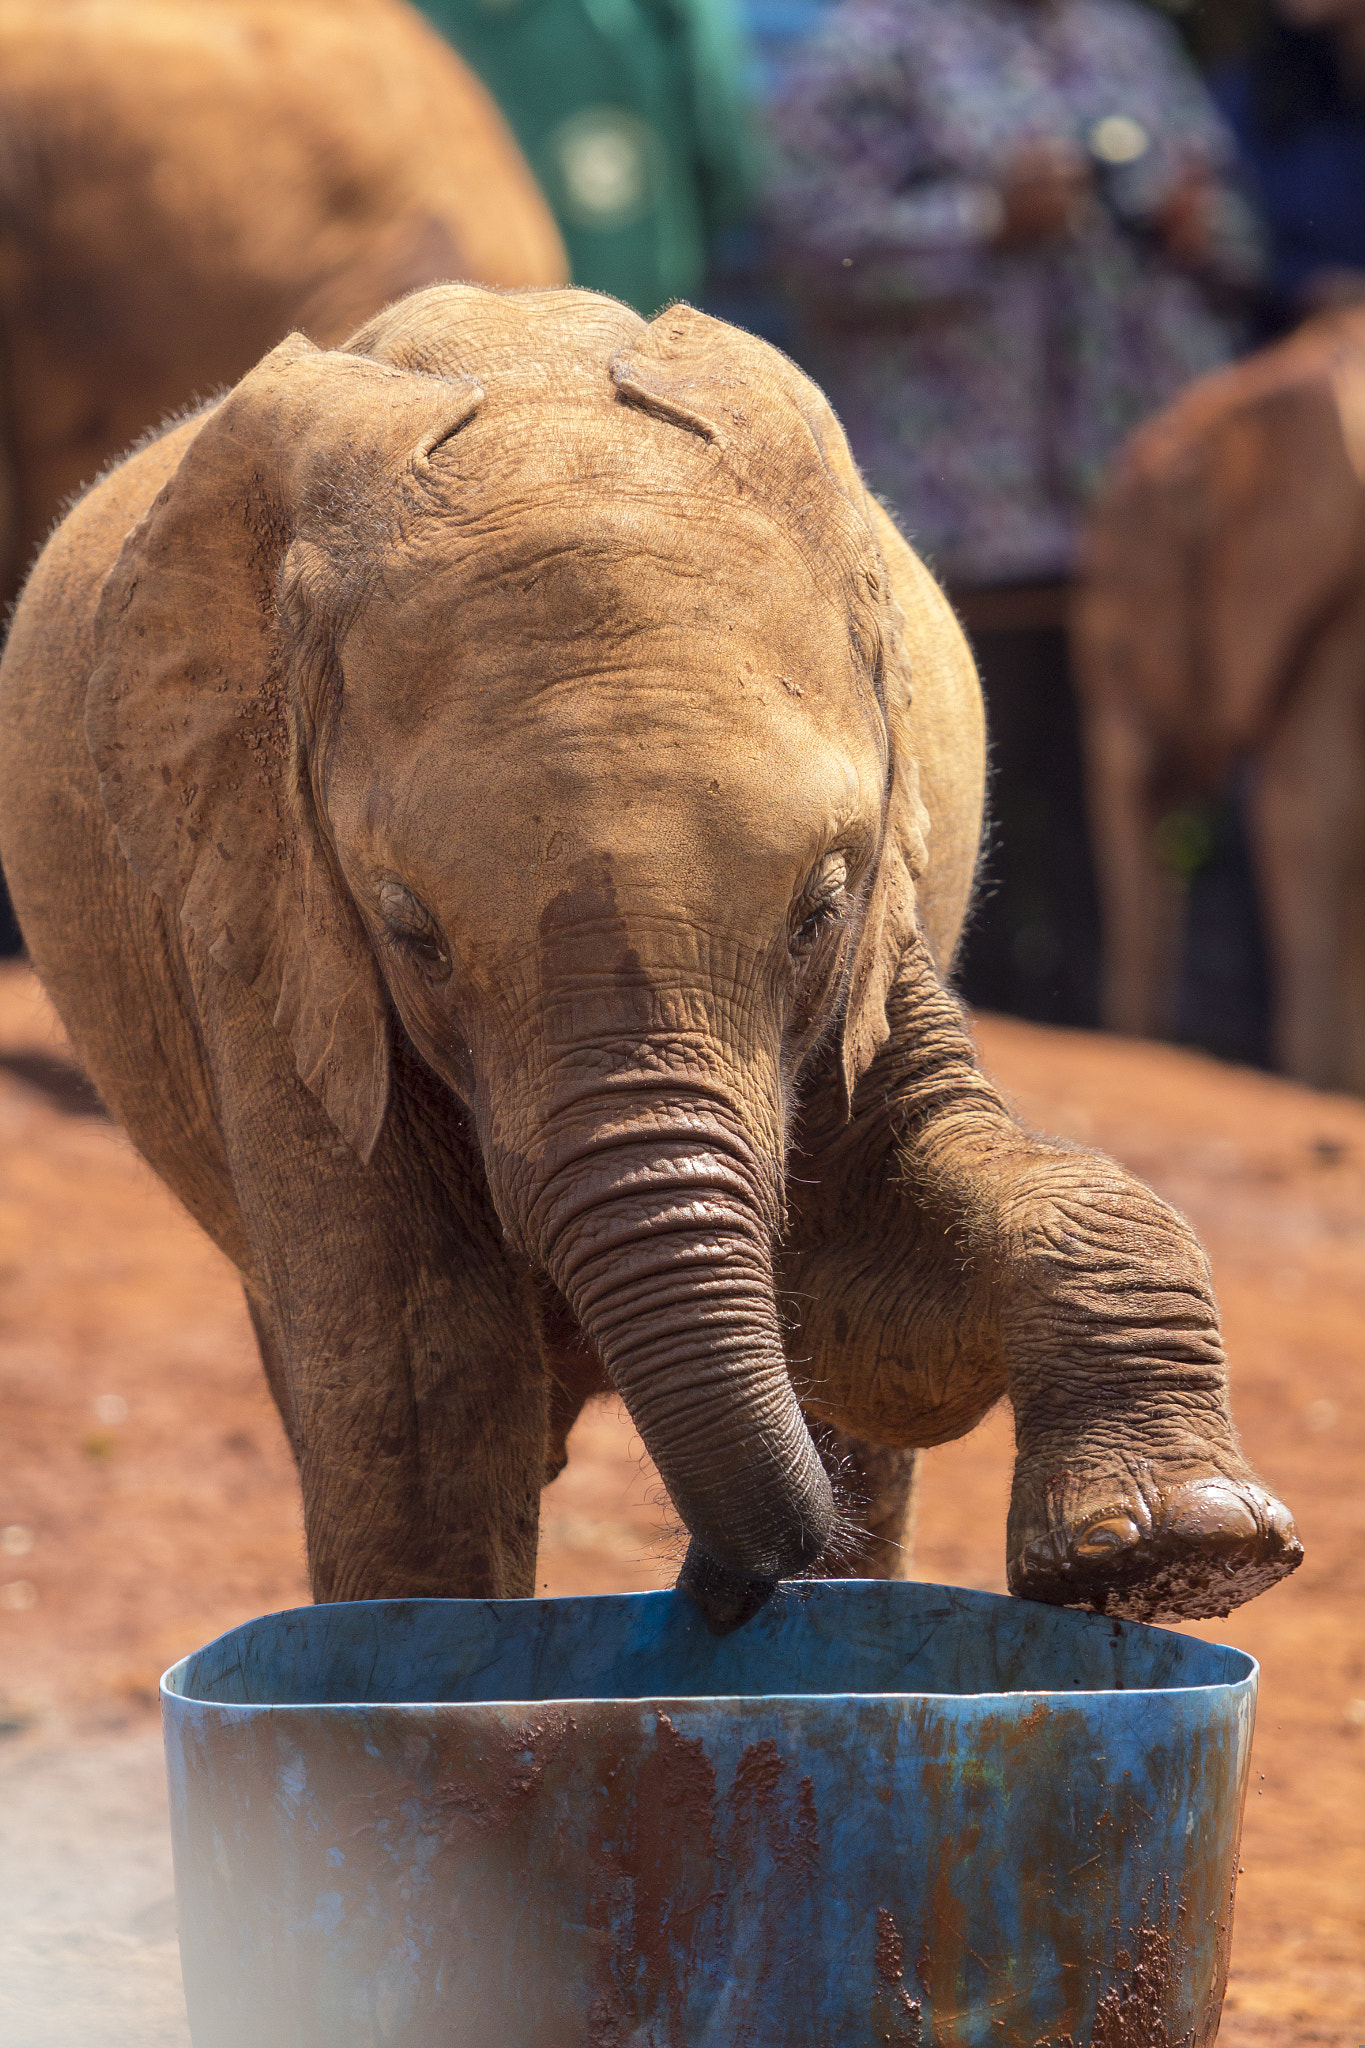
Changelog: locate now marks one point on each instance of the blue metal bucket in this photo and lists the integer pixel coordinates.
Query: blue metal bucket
(880, 1813)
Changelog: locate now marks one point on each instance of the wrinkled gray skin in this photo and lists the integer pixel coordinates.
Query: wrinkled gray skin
(465, 798)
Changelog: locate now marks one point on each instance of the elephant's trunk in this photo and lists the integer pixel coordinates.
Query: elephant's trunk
(661, 1245)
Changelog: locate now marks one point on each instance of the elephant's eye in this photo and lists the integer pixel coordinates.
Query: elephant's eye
(823, 903)
(413, 930)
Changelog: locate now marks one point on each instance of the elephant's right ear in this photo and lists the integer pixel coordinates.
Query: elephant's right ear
(192, 717)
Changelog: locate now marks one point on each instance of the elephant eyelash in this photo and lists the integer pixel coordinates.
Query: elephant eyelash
(411, 931)
(817, 922)
(819, 912)
(818, 919)
(424, 949)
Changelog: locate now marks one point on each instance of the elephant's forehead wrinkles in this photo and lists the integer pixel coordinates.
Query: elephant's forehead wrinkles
(596, 570)
(683, 528)
(609, 639)
(620, 452)
(608, 539)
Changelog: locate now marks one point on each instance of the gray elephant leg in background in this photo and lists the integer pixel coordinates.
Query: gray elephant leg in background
(874, 1488)
(1142, 903)
(1308, 825)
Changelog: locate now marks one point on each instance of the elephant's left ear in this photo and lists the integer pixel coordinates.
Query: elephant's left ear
(890, 922)
(921, 637)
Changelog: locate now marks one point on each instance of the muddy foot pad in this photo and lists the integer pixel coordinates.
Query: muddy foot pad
(1159, 1553)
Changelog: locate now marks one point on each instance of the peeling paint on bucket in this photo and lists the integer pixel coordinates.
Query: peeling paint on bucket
(880, 1813)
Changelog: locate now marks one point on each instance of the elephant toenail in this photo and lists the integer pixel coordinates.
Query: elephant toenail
(1044, 1554)
(1212, 1510)
(1282, 1528)
(1102, 1539)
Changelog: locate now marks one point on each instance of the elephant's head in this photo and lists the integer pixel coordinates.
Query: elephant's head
(1231, 527)
(532, 672)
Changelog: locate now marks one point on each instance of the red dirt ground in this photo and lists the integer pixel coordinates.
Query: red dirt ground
(147, 1499)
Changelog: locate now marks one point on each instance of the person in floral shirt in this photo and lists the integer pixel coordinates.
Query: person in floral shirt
(1010, 231)
(1006, 224)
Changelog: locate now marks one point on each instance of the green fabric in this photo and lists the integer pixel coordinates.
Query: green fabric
(630, 114)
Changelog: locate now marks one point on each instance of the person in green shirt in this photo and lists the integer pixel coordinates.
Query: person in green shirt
(631, 114)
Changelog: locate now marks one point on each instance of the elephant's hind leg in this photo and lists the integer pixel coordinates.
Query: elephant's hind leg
(874, 1489)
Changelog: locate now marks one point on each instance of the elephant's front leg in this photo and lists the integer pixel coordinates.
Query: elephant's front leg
(946, 1256)
(397, 1336)
(420, 1437)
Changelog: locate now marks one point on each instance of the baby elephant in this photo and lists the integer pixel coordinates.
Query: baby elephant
(1221, 623)
(464, 795)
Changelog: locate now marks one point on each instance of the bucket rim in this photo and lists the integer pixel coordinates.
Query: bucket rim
(174, 1698)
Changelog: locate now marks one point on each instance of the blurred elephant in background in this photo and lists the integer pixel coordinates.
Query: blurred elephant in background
(465, 797)
(1221, 621)
(184, 181)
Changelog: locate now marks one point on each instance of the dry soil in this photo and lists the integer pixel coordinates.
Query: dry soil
(147, 1502)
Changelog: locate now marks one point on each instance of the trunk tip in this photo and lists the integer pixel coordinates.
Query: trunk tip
(727, 1598)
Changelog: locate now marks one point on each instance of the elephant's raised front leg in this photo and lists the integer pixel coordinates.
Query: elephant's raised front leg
(943, 1256)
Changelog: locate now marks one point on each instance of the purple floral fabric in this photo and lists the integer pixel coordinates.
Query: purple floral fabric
(983, 391)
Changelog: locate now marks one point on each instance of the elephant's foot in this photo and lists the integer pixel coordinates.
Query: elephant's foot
(1152, 1541)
